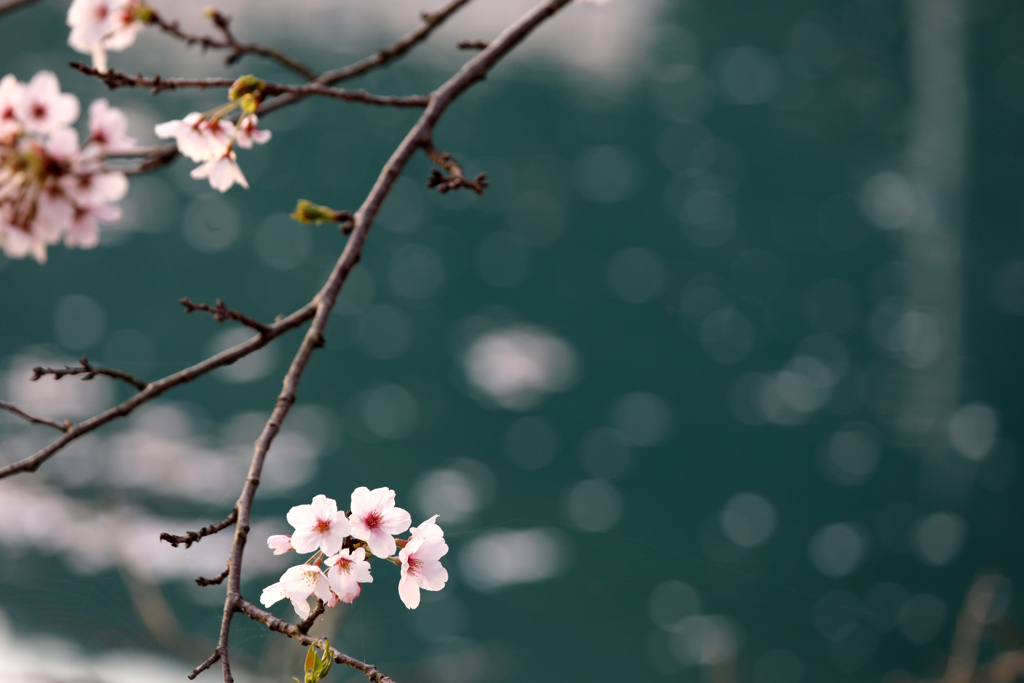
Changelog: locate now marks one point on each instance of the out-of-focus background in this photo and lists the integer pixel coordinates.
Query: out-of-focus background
(719, 380)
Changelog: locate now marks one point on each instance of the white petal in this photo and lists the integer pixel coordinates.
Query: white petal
(409, 592)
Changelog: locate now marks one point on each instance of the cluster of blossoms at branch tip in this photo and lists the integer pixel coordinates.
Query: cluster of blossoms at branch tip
(211, 139)
(101, 25)
(342, 544)
(52, 188)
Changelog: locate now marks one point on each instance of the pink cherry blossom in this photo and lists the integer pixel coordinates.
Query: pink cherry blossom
(280, 544)
(248, 133)
(376, 520)
(421, 563)
(297, 584)
(11, 92)
(101, 25)
(223, 172)
(188, 134)
(43, 107)
(346, 571)
(319, 525)
(108, 128)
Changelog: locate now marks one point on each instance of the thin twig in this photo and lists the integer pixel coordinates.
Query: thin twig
(191, 537)
(154, 389)
(472, 45)
(15, 4)
(431, 20)
(229, 42)
(119, 79)
(221, 312)
(59, 426)
(456, 177)
(88, 371)
(308, 622)
(292, 630)
(203, 581)
(210, 661)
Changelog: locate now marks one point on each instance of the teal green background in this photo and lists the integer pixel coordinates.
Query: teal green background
(529, 128)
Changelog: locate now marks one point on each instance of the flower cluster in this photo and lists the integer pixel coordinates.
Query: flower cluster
(342, 544)
(52, 188)
(211, 139)
(101, 25)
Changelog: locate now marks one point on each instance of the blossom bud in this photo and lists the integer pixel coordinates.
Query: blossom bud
(308, 212)
(144, 13)
(246, 85)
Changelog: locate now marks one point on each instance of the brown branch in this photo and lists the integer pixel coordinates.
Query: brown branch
(431, 20)
(191, 537)
(157, 83)
(88, 371)
(203, 581)
(59, 426)
(221, 312)
(293, 631)
(210, 661)
(456, 177)
(472, 45)
(308, 622)
(229, 42)
(15, 4)
(154, 389)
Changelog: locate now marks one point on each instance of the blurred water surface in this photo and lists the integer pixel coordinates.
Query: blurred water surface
(719, 379)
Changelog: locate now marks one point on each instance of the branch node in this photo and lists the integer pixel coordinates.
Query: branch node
(473, 44)
(221, 312)
(191, 537)
(455, 177)
(203, 581)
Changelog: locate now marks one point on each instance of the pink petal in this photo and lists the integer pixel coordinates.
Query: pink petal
(409, 592)
(324, 507)
(306, 540)
(301, 516)
(395, 520)
(381, 543)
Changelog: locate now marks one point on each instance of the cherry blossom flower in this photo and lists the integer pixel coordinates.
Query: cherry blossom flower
(11, 92)
(248, 134)
(280, 544)
(297, 584)
(49, 188)
(108, 128)
(188, 134)
(223, 172)
(101, 25)
(376, 520)
(346, 571)
(421, 563)
(319, 525)
(43, 107)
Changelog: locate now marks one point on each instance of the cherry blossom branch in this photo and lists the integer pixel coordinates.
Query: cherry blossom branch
(418, 137)
(456, 177)
(89, 371)
(59, 426)
(15, 4)
(308, 622)
(229, 42)
(118, 79)
(963, 657)
(431, 20)
(191, 537)
(221, 312)
(294, 631)
(154, 389)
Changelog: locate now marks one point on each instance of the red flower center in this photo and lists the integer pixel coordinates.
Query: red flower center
(38, 110)
(322, 526)
(415, 565)
(101, 12)
(373, 519)
(344, 564)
